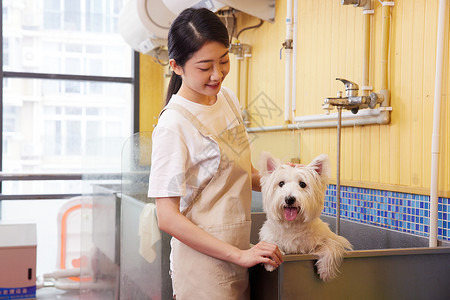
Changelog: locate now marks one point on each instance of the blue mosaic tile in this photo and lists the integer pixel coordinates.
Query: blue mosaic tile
(393, 210)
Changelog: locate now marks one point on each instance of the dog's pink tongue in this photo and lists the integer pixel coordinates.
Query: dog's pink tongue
(290, 213)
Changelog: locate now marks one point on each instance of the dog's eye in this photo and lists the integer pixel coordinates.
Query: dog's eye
(302, 184)
(281, 183)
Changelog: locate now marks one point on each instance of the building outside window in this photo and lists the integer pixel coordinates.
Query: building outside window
(67, 103)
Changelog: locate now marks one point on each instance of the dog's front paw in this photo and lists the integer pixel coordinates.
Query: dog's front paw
(328, 264)
(269, 267)
(325, 273)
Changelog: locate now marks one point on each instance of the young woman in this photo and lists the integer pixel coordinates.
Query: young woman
(201, 173)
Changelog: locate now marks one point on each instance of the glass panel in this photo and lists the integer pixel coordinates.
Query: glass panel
(65, 36)
(49, 131)
(113, 240)
(144, 267)
(100, 238)
(61, 126)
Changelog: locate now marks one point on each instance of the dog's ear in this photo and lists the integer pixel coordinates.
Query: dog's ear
(321, 164)
(267, 164)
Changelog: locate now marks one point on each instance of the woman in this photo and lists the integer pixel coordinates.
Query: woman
(201, 173)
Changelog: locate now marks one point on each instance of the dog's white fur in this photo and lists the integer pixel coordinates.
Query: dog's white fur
(302, 188)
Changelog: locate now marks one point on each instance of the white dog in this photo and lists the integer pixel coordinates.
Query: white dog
(293, 199)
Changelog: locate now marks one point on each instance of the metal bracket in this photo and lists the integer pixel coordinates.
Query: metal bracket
(288, 44)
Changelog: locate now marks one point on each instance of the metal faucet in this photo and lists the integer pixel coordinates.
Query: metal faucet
(352, 101)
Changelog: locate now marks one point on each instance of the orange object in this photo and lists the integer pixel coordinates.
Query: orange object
(77, 263)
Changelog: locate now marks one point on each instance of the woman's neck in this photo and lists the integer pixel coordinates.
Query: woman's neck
(196, 97)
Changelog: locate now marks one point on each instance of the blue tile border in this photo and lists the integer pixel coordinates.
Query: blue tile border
(393, 210)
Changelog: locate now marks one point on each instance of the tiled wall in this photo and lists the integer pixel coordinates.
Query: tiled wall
(398, 211)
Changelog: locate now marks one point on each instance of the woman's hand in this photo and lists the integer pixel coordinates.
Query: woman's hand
(261, 253)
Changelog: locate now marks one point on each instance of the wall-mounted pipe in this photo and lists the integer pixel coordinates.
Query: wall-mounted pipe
(272, 128)
(294, 61)
(346, 115)
(364, 117)
(288, 63)
(246, 116)
(378, 116)
(238, 80)
(243, 52)
(436, 125)
(385, 28)
(367, 11)
(382, 116)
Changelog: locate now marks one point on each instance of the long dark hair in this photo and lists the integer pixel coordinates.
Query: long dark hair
(187, 34)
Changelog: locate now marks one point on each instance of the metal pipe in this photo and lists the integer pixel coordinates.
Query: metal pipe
(238, 80)
(288, 64)
(386, 24)
(294, 61)
(338, 173)
(385, 36)
(381, 118)
(246, 77)
(272, 128)
(346, 115)
(436, 126)
(366, 51)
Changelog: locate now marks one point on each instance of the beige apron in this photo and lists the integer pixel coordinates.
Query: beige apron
(223, 210)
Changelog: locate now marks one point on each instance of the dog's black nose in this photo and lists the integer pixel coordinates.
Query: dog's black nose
(289, 200)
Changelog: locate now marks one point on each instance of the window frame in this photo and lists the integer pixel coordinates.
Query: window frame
(133, 80)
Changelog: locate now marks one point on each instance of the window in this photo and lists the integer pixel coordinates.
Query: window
(67, 99)
(52, 14)
(5, 52)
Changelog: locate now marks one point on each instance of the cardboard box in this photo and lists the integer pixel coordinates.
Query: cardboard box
(17, 261)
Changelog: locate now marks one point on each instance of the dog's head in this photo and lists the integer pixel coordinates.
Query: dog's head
(293, 193)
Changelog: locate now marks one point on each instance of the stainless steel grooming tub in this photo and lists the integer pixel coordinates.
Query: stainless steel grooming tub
(386, 264)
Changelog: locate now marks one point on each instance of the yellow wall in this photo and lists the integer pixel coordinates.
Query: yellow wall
(395, 156)
(151, 92)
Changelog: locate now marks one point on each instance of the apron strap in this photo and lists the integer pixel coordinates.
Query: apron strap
(189, 116)
(233, 107)
(193, 119)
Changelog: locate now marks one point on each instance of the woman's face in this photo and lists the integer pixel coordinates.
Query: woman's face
(204, 73)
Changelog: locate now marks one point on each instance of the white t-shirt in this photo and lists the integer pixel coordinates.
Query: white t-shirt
(183, 160)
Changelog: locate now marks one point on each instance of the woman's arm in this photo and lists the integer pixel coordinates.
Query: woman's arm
(177, 225)
(256, 183)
